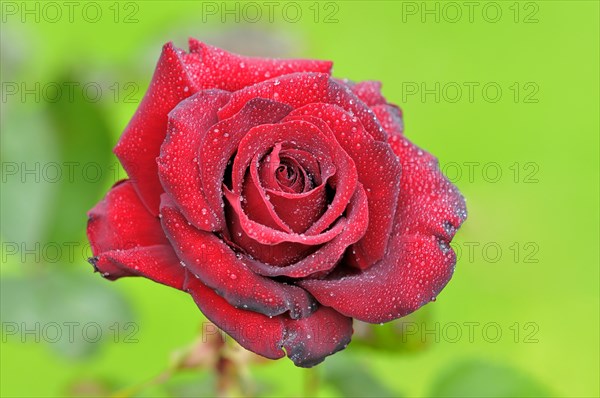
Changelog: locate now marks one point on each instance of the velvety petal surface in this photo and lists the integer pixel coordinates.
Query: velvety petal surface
(390, 117)
(177, 76)
(369, 92)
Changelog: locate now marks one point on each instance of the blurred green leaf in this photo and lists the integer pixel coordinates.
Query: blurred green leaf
(27, 144)
(83, 134)
(401, 335)
(353, 378)
(475, 378)
(70, 312)
(56, 159)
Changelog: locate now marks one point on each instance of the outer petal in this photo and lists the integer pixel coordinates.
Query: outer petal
(390, 117)
(232, 72)
(140, 143)
(419, 261)
(159, 263)
(307, 341)
(369, 92)
(210, 259)
(299, 89)
(127, 240)
(120, 222)
(178, 161)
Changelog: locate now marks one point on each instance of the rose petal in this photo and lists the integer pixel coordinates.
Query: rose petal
(178, 160)
(326, 257)
(211, 260)
(300, 211)
(307, 341)
(295, 210)
(232, 72)
(127, 240)
(120, 221)
(274, 168)
(390, 117)
(299, 89)
(279, 254)
(256, 204)
(140, 143)
(307, 162)
(369, 92)
(419, 261)
(269, 236)
(159, 263)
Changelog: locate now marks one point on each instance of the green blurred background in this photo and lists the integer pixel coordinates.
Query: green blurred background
(504, 93)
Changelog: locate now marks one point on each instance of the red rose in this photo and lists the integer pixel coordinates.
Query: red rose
(284, 201)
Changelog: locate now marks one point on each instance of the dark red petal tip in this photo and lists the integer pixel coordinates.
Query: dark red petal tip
(310, 340)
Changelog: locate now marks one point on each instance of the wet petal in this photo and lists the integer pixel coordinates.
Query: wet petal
(369, 92)
(390, 117)
(419, 261)
(299, 89)
(158, 262)
(178, 160)
(269, 236)
(306, 136)
(127, 240)
(232, 72)
(326, 257)
(256, 202)
(140, 143)
(120, 221)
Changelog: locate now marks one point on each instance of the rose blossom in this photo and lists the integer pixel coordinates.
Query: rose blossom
(286, 202)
